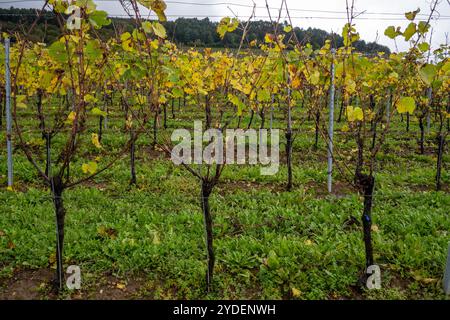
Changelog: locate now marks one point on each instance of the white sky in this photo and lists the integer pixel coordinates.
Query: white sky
(379, 14)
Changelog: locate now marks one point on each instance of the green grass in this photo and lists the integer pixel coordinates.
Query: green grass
(267, 241)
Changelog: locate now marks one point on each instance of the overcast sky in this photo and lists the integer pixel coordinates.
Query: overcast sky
(324, 14)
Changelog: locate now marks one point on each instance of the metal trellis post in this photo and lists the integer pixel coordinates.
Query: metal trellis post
(331, 126)
(8, 113)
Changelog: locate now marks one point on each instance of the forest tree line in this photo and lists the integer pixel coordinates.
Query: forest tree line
(190, 32)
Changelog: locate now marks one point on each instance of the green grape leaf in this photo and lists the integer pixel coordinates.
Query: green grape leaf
(89, 168)
(99, 19)
(237, 102)
(410, 31)
(227, 25)
(93, 50)
(428, 73)
(264, 95)
(423, 27)
(177, 92)
(272, 260)
(412, 15)
(57, 52)
(97, 112)
(147, 26)
(406, 105)
(424, 46)
(287, 29)
(158, 6)
(446, 67)
(159, 29)
(391, 32)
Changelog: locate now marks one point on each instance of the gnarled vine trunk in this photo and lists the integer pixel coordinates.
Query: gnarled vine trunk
(60, 212)
(205, 193)
(407, 121)
(422, 136)
(252, 113)
(289, 158)
(100, 128)
(133, 180)
(1, 107)
(155, 128)
(316, 140)
(165, 116)
(172, 108)
(440, 152)
(367, 183)
(208, 115)
(289, 140)
(263, 118)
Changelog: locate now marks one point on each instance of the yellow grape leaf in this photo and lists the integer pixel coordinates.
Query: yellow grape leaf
(126, 41)
(125, 36)
(354, 114)
(227, 25)
(154, 44)
(406, 104)
(129, 122)
(345, 128)
(10, 188)
(349, 35)
(156, 5)
(222, 27)
(95, 141)
(296, 293)
(71, 117)
(120, 286)
(137, 35)
(370, 115)
(314, 77)
(296, 82)
(159, 30)
(90, 98)
(159, 6)
(287, 29)
(412, 15)
(268, 38)
(126, 45)
(350, 85)
(162, 99)
(90, 167)
(147, 26)
(97, 112)
(20, 101)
